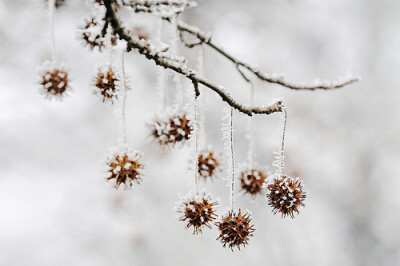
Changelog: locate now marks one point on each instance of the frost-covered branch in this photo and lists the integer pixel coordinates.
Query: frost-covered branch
(161, 58)
(205, 38)
(163, 8)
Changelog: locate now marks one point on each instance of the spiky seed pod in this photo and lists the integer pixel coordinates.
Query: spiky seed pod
(286, 195)
(235, 229)
(125, 167)
(252, 181)
(91, 33)
(159, 133)
(171, 129)
(107, 84)
(54, 80)
(208, 165)
(180, 128)
(197, 210)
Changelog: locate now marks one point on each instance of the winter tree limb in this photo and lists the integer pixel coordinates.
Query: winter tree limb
(205, 38)
(178, 65)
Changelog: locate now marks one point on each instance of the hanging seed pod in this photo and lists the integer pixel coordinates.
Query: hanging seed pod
(208, 165)
(159, 133)
(54, 80)
(91, 33)
(124, 167)
(235, 229)
(172, 129)
(286, 195)
(252, 181)
(180, 128)
(197, 210)
(107, 84)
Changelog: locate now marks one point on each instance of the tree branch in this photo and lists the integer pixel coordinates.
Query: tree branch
(178, 65)
(206, 38)
(159, 6)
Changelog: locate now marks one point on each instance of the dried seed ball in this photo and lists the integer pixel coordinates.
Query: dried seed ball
(125, 167)
(235, 229)
(91, 33)
(252, 181)
(179, 128)
(208, 164)
(159, 132)
(107, 84)
(197, 211)
(54, 80)
(286, 195)
(171, 129)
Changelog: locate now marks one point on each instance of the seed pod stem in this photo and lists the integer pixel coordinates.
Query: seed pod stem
(232, 161)
(124, 95)
(52, 6)
(282, 155)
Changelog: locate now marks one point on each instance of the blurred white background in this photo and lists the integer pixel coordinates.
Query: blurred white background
(57, 209)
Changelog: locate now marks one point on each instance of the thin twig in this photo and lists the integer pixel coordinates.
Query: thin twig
(206, 38)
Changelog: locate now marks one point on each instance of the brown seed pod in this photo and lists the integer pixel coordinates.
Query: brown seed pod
(54, 80)
(125, 168)
(252, 181)
(208, 165)
(235, 229)
(171, 130)
(91, 33)
(107, 84)
(286, 195)
(159, 132)
(197, 211)
(180, 128)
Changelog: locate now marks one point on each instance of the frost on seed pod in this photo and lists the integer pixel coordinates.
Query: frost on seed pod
(107, 84)
(286, 195)
(91, 33)
(235, 229)
(171, 129)
(197, 210)
(252, 181)
(54, 80)
(208, 165)
(124, 167)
